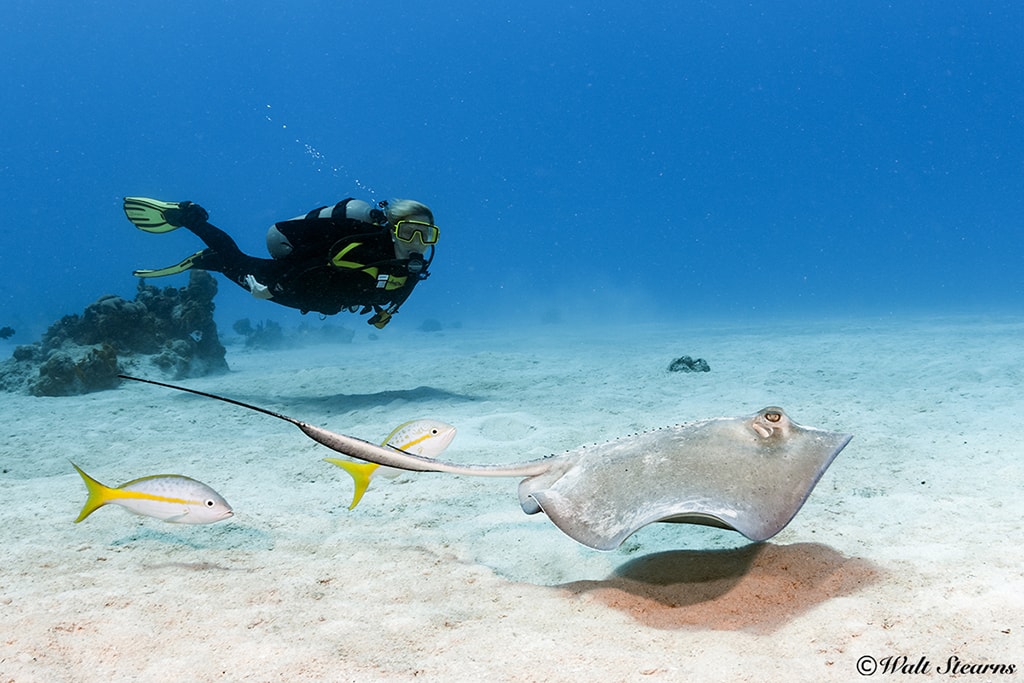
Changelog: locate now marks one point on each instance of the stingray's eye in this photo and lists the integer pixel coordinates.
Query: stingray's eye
(773, 416)
(210, 503)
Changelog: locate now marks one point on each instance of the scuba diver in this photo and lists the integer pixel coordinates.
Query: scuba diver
(346, 257)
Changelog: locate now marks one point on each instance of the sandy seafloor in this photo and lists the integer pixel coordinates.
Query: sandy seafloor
(911, 545)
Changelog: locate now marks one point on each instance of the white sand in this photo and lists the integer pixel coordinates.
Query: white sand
(911, 544)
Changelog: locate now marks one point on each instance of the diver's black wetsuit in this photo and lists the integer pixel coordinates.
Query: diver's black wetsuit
(336, 263)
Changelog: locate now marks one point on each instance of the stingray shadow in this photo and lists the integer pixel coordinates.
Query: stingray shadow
(757, 588)
(421, 394)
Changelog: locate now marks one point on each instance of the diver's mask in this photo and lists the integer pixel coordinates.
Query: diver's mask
(408, 230)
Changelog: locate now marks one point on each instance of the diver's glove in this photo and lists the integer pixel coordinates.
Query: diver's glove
(187, 214)
(256, 289)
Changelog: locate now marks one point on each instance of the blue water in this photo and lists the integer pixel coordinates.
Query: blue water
(672, 159)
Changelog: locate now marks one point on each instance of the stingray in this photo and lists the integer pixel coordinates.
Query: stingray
(749, 474)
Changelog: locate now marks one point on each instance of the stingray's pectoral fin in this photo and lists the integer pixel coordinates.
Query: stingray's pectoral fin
(567, 518)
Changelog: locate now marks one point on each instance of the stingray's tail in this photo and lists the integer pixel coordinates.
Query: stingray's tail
(219, 398)
(371, 452)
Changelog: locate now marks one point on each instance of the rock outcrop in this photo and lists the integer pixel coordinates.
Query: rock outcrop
(170, 330)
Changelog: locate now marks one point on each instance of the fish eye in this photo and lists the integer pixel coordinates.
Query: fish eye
(773, 416)
(433, 431)
(210, 503)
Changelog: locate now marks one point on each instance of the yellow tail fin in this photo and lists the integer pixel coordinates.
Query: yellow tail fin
(97, 495)
(359, 471)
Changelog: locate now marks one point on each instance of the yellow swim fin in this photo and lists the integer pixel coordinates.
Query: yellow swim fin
(360, 473)
(97, 498)
(179, 267)
(148, 214)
